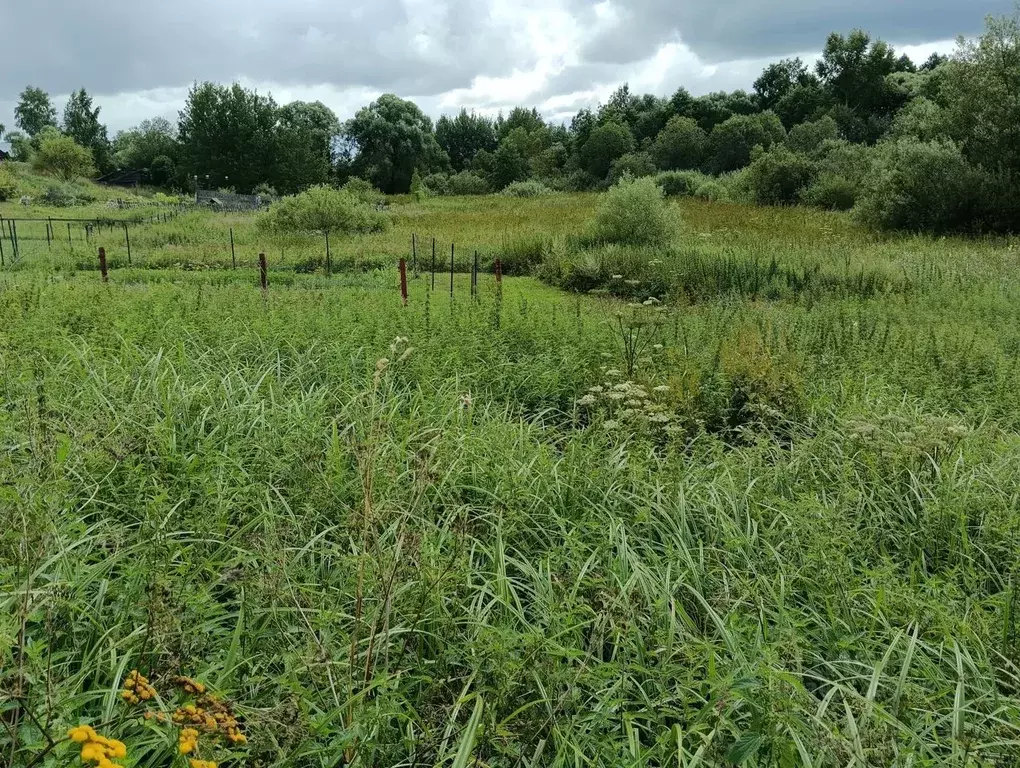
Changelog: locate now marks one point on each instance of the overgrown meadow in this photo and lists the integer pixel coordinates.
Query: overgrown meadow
(750, 498)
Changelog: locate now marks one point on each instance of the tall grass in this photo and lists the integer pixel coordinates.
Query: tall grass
(403, 537)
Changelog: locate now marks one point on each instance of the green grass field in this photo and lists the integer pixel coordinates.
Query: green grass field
(771, 520)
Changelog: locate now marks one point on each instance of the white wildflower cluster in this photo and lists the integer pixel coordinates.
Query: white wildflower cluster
(628, 405)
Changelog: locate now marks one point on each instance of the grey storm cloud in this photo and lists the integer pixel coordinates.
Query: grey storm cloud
(121, 45)
(724, 30)
(425, 48)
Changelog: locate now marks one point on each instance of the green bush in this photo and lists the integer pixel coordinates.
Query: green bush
(680, 183)
(323, 209)
(778, 177)
(634, 212)
(923, 187)
(66, 195)
(712, 190)
(8, 185)
(364, 190)
(808, 137)
(62, 157)
(438, 183)
(526, 189)
(831, 192)
(635, 164)
(468, 183)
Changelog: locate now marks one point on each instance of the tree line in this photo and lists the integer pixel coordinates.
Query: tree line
(861, 117)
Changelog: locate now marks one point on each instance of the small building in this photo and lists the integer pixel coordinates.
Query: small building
(131, 178)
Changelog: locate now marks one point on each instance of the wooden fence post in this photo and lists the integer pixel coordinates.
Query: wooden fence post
(102, 265)
(69, 233)
(451, 270)
(233, 255)
(329, 257)
(263, 273)
(474, 277)
(414, 253)
(433, 263)
(127, 239)
(49, 240)
(403, 281)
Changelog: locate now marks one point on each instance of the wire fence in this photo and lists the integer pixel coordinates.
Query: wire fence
(83, 238)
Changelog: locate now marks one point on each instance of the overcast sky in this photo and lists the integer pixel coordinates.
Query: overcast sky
(138, 59)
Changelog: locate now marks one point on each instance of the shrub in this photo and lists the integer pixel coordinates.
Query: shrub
(266, 190)
(634, 212)
(363, 190)
(922, 187)
(854, 162)
(635, 164)
(808, 137)
(8, 185)
(62, 157)
(831, 192)
(66, 195)
(418, 189)
(712, 190)
(777, 177)
(682, 183)
(438, 183)
(468, 183)
(323, 209)
(530, 188)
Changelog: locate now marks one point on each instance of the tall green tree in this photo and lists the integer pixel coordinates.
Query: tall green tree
(731, 143)
(680, 145)
(605, 144)
(854, 69)
(464, 136)
(981, 94)
(391, 138)
(779, 79)
(305, 141)
(81, 123)
(34, 111)
(519, 117)
(138, 147)
(228, 134)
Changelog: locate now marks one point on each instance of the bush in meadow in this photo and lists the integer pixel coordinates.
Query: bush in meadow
(364, 190)
(529, 188)
(831, 192)
(438, 183)
(636, 164)
(323, 209)
(714, 191)
(634, 212)
(680, 183)
(778, 177)
(468, 183)
(923, 187)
